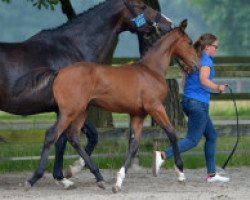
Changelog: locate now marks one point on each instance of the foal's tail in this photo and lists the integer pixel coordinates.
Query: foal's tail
(35, 81)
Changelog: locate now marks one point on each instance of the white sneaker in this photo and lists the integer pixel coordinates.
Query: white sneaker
(217, 178)
(157, 162)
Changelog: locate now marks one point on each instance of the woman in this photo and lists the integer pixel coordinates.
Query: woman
(195, 104)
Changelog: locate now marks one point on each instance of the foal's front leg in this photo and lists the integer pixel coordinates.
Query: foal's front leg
(136, 127)
(160, 116)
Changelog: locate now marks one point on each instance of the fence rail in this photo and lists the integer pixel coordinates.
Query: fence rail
(226, 67)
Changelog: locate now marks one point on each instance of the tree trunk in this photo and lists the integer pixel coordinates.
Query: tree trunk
(98, 117)
(67, 9)
(172, 104)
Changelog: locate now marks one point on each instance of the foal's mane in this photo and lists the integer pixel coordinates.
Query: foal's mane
(103, 8)
(156, 45)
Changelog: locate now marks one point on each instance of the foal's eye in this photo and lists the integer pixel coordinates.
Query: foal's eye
(190, 42)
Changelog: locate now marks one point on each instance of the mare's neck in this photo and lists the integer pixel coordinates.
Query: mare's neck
(93, 32)
(158, 58)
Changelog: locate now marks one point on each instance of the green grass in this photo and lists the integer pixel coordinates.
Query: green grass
(226, 110)
(218, 110)
(29, 143)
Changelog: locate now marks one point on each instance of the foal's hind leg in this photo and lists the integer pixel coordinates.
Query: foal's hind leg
(136, 128)
(160, 116)
(51, 137)
(74, 139)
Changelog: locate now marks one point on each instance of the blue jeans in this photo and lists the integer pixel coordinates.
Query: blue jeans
(199, 123)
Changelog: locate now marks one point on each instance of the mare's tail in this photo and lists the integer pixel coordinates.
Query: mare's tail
(35, 81)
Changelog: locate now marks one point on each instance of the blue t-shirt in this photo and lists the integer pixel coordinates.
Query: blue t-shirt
(193, 87)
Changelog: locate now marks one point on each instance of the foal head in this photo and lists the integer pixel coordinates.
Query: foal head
(183, 49)
(138, 17)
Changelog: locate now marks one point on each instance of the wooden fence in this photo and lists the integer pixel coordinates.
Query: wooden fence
(229, 67)
(226, 67)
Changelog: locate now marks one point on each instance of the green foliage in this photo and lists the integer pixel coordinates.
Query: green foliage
(6, 1)
(41, 3)
(231, 20)
(45, 3)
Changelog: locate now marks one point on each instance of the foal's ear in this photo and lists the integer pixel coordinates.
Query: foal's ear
(183, 25)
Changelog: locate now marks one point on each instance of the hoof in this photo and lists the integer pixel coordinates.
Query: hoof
(182, 178)
(181, 175)
(101, 185)
(116, 189)
(27, 186)
(67, 184)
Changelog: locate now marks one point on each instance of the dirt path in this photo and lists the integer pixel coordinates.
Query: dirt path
(138, 185)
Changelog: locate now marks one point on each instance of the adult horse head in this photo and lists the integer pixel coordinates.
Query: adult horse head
(94, 84)
(147, 35)
(147, 21)
(90, 36)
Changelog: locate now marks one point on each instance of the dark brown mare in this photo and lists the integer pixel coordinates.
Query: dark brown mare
(137, 89)
(90, 37)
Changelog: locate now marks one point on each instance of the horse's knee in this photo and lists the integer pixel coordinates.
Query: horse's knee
(93, 140)
(91, 133)
(172, 137)
(74, 140)
(49, 141)
(61, 143)
(134, 145)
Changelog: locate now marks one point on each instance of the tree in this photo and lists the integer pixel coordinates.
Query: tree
(230, 19)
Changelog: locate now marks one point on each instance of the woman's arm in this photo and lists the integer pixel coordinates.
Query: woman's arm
(204, 74)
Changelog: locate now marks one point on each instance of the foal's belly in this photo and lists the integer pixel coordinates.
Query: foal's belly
(120, 106)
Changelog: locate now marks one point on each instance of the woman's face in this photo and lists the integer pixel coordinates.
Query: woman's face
(211, 50)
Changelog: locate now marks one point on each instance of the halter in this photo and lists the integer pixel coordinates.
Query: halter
(140, 20)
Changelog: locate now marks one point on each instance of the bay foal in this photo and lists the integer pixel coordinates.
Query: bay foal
(137, 89)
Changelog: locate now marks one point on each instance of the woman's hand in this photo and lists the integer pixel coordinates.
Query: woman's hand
(221, 88)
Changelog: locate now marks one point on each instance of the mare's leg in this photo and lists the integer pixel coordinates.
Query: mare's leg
(92, 136)
(136, 128)
(59, 151)
(74, 139)
(58, 163)
(60, 146)
(50, 138)
(160, 116)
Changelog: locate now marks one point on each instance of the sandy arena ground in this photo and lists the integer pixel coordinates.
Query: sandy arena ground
(137, 185)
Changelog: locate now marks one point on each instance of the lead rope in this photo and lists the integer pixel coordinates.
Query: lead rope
(237, 129)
